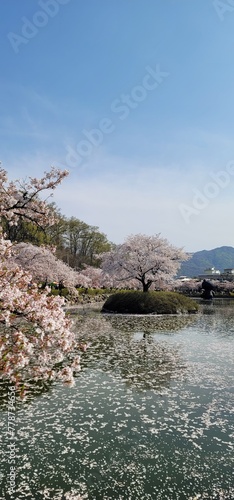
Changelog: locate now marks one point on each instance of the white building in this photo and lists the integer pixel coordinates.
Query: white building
(215, 274)
(211, 273)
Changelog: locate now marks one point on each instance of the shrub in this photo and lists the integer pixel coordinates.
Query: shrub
(137, 302)
(62, 293)
(92, 291)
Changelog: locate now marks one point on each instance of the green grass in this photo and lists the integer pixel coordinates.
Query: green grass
(137, 302)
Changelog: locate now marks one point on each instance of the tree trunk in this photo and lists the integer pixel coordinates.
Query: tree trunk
(146, 286)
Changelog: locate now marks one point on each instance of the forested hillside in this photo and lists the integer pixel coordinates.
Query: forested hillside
(220, 258)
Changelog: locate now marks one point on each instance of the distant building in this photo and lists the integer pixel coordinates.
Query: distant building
(210, 273)
(228, 271)
(228, 274)
(215, 274)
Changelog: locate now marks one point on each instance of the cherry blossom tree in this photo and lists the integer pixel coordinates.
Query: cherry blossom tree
(188, 285)
(143, 259)
(42, 264)
(94, 277)
(35, 335)
(223, 286)
(90, 277)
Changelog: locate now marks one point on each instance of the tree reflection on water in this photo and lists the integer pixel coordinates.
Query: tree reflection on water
(125, 348)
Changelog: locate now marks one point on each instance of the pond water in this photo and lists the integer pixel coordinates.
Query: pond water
(151, 415)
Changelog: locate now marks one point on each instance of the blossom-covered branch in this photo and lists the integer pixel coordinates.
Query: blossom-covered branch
(35, 334)
(20, 199)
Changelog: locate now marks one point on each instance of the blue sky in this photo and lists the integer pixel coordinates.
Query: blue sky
(136, 100)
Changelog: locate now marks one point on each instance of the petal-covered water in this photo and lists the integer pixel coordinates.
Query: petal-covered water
(150, 417)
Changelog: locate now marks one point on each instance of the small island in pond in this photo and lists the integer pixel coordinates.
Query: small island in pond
(152, 302)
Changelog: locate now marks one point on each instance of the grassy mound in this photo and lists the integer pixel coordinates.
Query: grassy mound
(137, 302)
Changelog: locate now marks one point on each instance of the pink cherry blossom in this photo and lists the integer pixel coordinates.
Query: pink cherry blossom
(35, 332)
(143, 260)
(42, 264)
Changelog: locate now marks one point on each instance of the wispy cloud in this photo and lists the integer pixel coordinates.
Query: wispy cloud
(129, 198)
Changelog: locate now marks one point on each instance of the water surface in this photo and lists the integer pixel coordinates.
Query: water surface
(150, 417)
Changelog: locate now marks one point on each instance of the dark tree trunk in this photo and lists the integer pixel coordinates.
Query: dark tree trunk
(146, 286)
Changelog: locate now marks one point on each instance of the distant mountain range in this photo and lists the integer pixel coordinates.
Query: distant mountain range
(221, 258)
